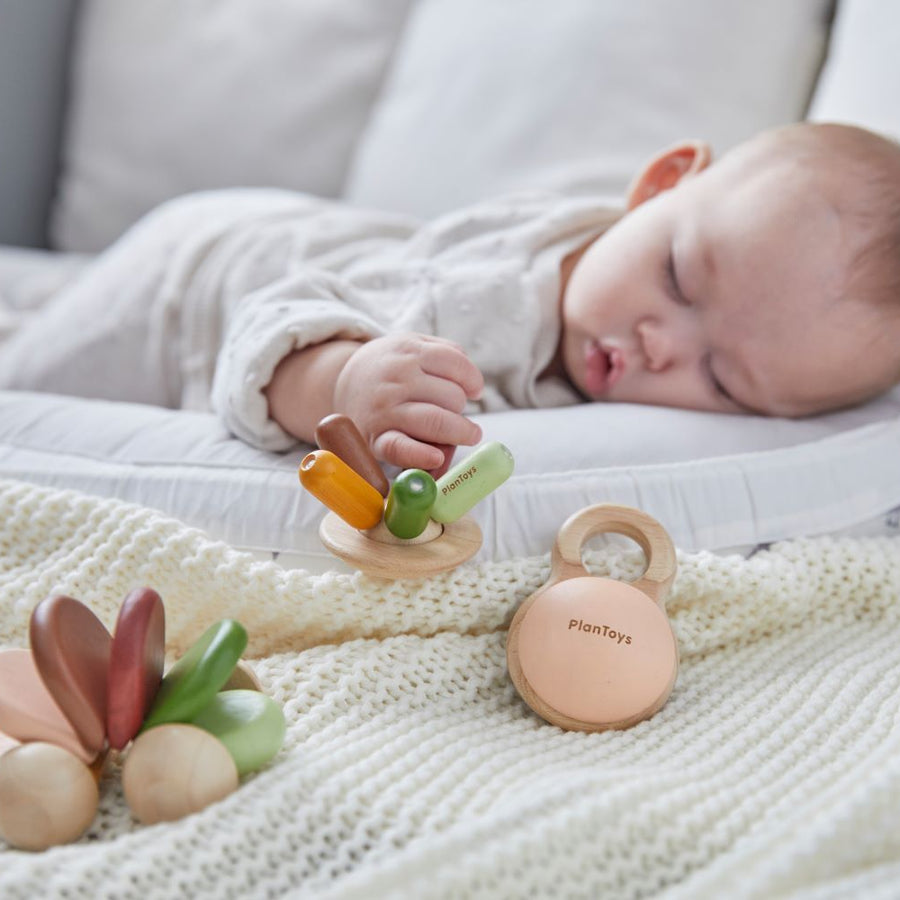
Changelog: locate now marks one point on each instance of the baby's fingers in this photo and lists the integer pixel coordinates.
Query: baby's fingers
(449, 361)
(435, 425)
(399, 449)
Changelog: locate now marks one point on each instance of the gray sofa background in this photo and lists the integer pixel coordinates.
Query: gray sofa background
(35, 37)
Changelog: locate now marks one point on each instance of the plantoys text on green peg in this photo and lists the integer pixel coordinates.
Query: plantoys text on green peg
(471, 480)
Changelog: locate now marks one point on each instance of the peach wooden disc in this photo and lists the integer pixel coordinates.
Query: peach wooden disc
(598, 651)
(71, 648)
(27, 710)
(136, 663)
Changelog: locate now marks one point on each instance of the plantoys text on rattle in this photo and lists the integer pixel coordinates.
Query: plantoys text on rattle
(605, 630)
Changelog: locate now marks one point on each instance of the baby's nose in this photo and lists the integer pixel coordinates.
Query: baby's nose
(657, 345)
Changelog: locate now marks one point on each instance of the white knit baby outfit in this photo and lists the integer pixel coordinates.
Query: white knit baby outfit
(202, 299)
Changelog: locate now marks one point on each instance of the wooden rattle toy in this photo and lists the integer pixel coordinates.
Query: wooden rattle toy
(188, 736)
(589, 653)
(421, 529)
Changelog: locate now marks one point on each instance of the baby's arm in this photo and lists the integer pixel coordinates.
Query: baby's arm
(405, 392)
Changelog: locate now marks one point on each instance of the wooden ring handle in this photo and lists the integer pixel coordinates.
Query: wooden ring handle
(633, 523)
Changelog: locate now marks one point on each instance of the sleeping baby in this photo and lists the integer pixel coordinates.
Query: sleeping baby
(767, 282)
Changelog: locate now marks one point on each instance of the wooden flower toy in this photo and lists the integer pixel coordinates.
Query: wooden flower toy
(80, 693)
(421, 527)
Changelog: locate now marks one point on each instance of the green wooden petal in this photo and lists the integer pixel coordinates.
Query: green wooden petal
(250, 724)
(198, 676)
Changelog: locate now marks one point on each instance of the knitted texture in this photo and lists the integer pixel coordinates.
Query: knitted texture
(412, 769)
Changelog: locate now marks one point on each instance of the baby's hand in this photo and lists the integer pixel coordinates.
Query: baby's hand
(406, 394)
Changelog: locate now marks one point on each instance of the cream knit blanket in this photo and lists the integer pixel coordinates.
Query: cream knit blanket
(411, 769)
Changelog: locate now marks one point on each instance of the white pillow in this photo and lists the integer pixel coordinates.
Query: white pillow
(173, 96)
(486, 97)
(861, 79)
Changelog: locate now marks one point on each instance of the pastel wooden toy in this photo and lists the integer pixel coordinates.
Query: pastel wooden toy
(199, 675)
(249, 724)
(27, 710)
(471, 480)
(339, 434)
(175, 770)
(243, 678)
(341, 489)
(410, 536)
(408, 507)
(379, 553)
(71, 648)
(589, 653)
(136, 663)
(47, 796)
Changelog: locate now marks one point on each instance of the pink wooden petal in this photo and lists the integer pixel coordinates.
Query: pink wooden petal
(27, 710)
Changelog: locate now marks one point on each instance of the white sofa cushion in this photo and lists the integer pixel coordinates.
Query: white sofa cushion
(179, 95)
(716, 482)
(486, 97)
(861, 78)
(28, 278)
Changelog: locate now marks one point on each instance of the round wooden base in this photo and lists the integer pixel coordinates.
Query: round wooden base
(453, 545)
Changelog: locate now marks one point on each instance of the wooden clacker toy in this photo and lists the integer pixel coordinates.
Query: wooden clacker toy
(80, 694)
(589, 653)
(421, 528)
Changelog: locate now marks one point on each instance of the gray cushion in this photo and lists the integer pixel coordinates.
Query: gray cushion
(34, 37)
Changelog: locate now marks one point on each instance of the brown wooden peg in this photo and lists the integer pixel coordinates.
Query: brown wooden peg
(339, 434)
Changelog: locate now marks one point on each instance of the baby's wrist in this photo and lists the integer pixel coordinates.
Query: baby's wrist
(302, 390)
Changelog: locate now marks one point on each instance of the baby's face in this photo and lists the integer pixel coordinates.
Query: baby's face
(726, 293)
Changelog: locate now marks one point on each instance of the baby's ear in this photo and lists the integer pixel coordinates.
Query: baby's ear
(667, 169)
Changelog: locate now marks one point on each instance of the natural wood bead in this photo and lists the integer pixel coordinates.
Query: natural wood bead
(172, 771)
(47, 796)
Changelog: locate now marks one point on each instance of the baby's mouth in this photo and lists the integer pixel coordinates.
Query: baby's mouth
(603, 367)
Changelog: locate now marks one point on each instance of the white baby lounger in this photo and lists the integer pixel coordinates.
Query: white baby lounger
(717, 482)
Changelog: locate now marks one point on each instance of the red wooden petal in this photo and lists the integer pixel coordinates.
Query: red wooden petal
(135, 664)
